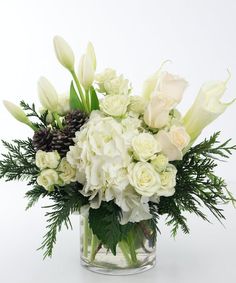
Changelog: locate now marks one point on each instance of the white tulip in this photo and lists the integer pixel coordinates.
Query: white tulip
(206, 108)
(63, 104)
(86, 71)
(47, 95)
(64, 53)
(17, 113)
(91, 53)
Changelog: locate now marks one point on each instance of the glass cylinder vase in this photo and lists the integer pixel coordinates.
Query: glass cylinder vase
(136, 253)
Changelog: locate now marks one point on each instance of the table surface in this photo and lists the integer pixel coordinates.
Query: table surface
(206, 255)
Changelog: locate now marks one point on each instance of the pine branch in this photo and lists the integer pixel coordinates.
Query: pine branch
(197, 185)
(19, 162)
(34, 195)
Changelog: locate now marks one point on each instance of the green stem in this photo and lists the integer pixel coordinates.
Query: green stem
(34, 128)
(57, 118)
(88, 100)
(125, 250)
(94, 243)
(132, 249)
(85, 237)
(80, 90)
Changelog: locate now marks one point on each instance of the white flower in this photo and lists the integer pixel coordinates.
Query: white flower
(106, 75)
(144, 179)
(157, 112)
(137, 104)
(48, 178)
(160, 162)
(167, 147)
(66, 173)
(64, 53)
(145, 146)
(17, 112)
(206, 108)
(115, 105)
(168, 181)
(171, 86)
(117, 86)
(63, 104)
(47, 95)
(47, 159)
(87, 67)
(179, 137)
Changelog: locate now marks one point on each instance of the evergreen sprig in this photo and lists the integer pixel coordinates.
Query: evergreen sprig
(197, 185)
(19, 162)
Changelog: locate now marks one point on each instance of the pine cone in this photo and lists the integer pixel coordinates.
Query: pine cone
(74, 121)
(61, 142)
(42, 139)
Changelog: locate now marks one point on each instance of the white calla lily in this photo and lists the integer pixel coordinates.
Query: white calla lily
(206, 108)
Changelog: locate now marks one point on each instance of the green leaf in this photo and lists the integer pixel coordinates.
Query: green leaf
(93, 99)
(105, 224)
(75, 102)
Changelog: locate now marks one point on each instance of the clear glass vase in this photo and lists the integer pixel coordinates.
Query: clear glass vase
(135, 254)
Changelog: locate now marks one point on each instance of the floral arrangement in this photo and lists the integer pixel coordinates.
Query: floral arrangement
(119, 159)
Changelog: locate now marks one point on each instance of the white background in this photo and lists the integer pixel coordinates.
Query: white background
(133, 37)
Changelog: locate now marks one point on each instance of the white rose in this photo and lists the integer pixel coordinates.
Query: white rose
(179, 137)
(47, 159)
(115, 105)
(145, 146)
(145, 180)
(157, 112)
(168, 181)
(106, 75)
(63, 104)
(66, 172)
(48, 178)
(169, 149)
(137, 104)
(160, 162)
(117, 86)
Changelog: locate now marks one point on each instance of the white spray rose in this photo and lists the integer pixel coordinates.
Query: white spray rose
(66, 173)
(63, 104)
(168, 181)
(206, 108)
(157, 112)
(179, 137)
(47, 159)
(160, 162)
(117, 86)
(115, 105)
(145, 180)
(137, 104)
(48, 178)
(107, 75)
(145, 146)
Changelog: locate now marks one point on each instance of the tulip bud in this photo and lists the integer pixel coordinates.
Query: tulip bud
(17, 112)
(47, 95)
(64, 53)
(86, 71)
(91, 53)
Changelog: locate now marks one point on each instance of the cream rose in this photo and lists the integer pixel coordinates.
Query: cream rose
(157, 112)
(137, 104)
(144, 179)
(48, 178)
(66, 173)
(117, 86)
(107, 75)
(179, 137)
(168, 181)
(160, 162)
(145, 146)
(115, 105)
(47, 159)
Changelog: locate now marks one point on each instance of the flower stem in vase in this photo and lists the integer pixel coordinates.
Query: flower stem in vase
(94, 246)
(125, 251)
(85, 238)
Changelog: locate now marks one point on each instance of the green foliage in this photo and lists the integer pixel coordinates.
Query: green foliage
(197, 185)
(67, 200)
(34, 195)
(93, 99)
(105, 224)
(19, 162)
(75, 102)
(32, 113)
